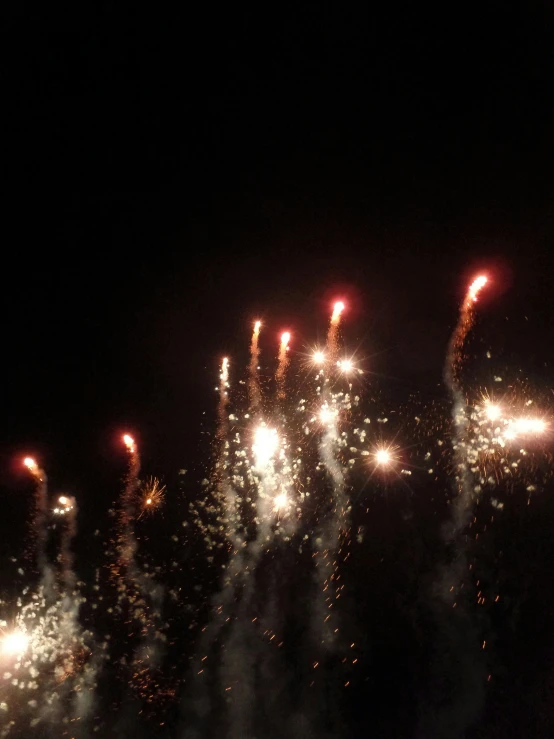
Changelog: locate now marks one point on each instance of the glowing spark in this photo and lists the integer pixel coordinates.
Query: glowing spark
(15, 643)
(265, 445)
(31, 465)
(492, 411)
(476, 286)
(526, 426)
(152, 495)
(383, 457)
(280, 502)
(345, 365)
(327, 414)
(63, 500)
(319, 357)
(129, 443)
(257, 326)
(225, 369)
(337, 310)
(285, 338)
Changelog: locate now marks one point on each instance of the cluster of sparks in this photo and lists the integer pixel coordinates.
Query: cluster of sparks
(285, 456)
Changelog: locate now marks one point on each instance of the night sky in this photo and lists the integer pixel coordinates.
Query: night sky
(169, 177)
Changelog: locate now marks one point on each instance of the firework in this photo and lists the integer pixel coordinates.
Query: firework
(14, 644)
(277, 505)
(152, 494)
(475, 288)
(345, 365)
(493, 411)
(333, 332)
(282, 365)
(456, 345)
(383, 457)
(40, 516)
(337, 311)
(254, 383)
(129, 443)
(266, 442)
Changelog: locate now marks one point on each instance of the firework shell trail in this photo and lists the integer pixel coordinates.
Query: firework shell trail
(137, 592)
(282, 365)
(67, 509)
(457, 630)
(223, 398)
(332, 349)
(459, 410)
(465, 322)
(40, 517)
(327, 543)
(127, 542)
(254, 389)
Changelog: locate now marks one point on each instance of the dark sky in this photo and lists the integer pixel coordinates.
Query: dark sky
(168, 177)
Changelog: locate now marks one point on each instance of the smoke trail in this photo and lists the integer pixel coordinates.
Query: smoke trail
(454, 359)
(143, 596)
(457, 694)
(327, 543)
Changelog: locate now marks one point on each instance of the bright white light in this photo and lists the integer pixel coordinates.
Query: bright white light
(337, 310)
(280, 502)
(383, 457)
(319, 357)
(345, 365)
(30, 463)
(327, 414)
(493, 411)
(265, 445)
(63, 500)
(129, 443)
(527, 426)
(14, 643)
(476, 286)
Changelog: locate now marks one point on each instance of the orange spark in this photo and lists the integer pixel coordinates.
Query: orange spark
(30, 463)
(337, 310)
(476, 287)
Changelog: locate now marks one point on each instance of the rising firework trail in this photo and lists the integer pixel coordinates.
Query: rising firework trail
(138, 594)
(40, 520)
(127, 542)
(223, 397)
(328, 542)
(332, 348)
(282, 364)
(254, 390)
(458, 632)
(452, 371)
(66, 509)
